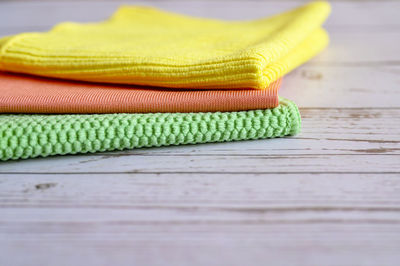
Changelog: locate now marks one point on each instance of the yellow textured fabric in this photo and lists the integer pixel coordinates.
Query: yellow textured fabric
(146, 46)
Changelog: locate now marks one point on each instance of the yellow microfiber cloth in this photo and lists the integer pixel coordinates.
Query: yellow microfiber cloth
(146, 46)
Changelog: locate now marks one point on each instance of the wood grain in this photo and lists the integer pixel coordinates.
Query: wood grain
(141, 220)
(329, 196)
(333, 140)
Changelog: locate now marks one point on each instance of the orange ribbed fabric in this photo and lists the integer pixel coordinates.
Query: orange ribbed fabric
(29, 94)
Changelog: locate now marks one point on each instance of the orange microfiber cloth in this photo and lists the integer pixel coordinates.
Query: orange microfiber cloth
(29, 94)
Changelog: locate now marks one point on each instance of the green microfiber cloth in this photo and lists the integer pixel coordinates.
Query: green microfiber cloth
(27, 136)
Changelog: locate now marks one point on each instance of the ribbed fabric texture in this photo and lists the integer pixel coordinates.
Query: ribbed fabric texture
(29, 94)
(145, 46)
(29, 136)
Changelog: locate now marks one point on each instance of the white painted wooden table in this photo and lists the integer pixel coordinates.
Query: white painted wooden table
(329, 196)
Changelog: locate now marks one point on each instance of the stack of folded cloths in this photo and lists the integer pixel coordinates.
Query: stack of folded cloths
(146, 78)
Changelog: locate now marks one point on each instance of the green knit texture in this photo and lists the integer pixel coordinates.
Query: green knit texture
(25, 136)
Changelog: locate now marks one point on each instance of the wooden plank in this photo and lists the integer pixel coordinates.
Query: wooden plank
(333, 140)
(345, 14)
(150, 219)
(347, 48)
(203, 244)
(277, 164)
(317, 85)
(329, 196)
(245, 196)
